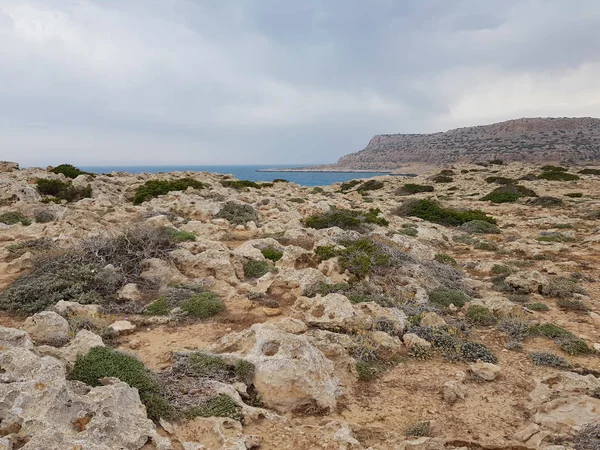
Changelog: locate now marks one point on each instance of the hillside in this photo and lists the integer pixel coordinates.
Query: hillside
(534, 140)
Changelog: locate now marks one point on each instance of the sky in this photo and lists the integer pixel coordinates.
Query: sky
(96, 82)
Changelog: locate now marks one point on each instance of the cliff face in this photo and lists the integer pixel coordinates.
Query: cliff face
(574, 140)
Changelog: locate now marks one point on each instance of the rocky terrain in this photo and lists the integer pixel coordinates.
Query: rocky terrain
(195, 311)
(529, 140)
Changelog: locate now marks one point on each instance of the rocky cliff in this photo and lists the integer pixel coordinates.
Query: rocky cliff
(573, 140)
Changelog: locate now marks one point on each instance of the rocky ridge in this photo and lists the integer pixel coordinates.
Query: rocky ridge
(374, 331)
(529, 140)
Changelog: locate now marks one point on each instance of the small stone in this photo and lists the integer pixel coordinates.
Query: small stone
(122, 326)
(272, 311)
(134, 344)
(454, 391)
(485, 371)
(412, 340)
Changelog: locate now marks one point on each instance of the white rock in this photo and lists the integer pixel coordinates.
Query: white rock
(485, 371)
(130, 292)
(122, 326)
(47, 327)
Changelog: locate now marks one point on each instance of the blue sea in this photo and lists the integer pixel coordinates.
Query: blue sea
(246, 173)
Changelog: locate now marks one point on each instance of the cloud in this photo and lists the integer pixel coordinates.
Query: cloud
(265, 81)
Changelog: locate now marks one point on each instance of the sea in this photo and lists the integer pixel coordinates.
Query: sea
(250, 172)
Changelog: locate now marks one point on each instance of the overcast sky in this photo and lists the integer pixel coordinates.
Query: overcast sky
(279, 81)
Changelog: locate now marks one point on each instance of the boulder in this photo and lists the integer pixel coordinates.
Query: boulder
(47, 327)
(412, 340)
(65, 308)
(54, 414)
(130, 292)
(431, 319)
(290, 372)
(122, 326)
(527, 282)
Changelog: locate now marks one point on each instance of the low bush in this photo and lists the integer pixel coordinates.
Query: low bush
(297, 200)
(411, 188)
(69, 171)
(554, 237)
(180, 236)
(370, 185)
(154, 188)
(421, 429)
(571, 305)
(541, 307)
(453, 346)
(44, 216)
(558, 176)
(442, 179)
(567, 341)
(272, 253)
(238, 213)
(409, 231)
(159, 307)
(203, 306)
(445, 259)
(349, 185)
(256, 269)
(317, 190)
(220, 406)
(345, 219)
(548, 359)
(545, 201)
(589, 172)
(561, 287)
(91, 271)
(12, 218)
(480, 315)
(486, 245)
(63, 191)
(445, 297)
(551, 168)
(101, 362)
(574, 194)
(432, 211)
(501, 197)
(362, 257)
(243, 184)
(500, 180)
(325, 252)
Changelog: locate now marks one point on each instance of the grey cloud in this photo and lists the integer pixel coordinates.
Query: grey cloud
(266, 81)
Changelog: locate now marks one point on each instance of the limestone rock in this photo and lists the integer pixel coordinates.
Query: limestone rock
(130, 292)
(65, 308)
(454, 391)
(485, 371)
(527, 282)
(290, 372)
(122, 326)
(431, 319)
(47, 327)
(412, 340)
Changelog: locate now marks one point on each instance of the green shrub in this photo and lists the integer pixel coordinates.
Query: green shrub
(207, 366)
(70, 171)
(411, 188)
(554, 237)
(63, 191)
(34, 246)
(501, 269)
(256, 269)
(371, 185)
(474, 351)
(433, 212)
(445, 297)
(280, 180)
(181, 236)
(442, 179)
(363, 256)
(272, 253)
(154, 188)
(567, 341)
(409, 231)
(486, 245)
(590, 172)
(242, 184)
(345, 219)
(159, 307)
(220, 406)
(44, 216)
(574, 194)
(548, 359)
(204, 305)
(11, 218)
(519, 298)
(238, 213)
(551, 168)
(545, 201)
(558, 176)
(317, 190)
(548, 330)
(571, 305)
(479, 227)
(445, 259)
(574, 346)
(297, 200)
(101, 362)
(542, 307)
(480, 315)
(499, 197)
(500, 180)
(369, 370)
(421, 429)
(349, 185)
(325, 252)
(561, 287)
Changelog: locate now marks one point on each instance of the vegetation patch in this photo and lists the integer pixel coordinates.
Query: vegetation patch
(432, 211)
(561, 287)
(272, 253)
(479, 227)
(445, 259)
(548, 359)
(154, 188)
(220, 406)
(349, 185)
(551, 168)
(558, 176)
(101, 362)
(567, 304)
(256, 269)
(538, 306)
(244, 184)
(501, 197)
(159, 307)
(35, 246)
(445, 297)
(545, 201)
(500, 180)
(486, 245)
(567, 341)
(371, 185)
(574, 194)
(238, 213)
(346, 219)
(442, 179)
(203, 306)
(480, 315)
(62, 191)
(180, 236)
(70, 171)
(411, 188)
(453, 346)
(589, 172)
(12, 218)
(421, 429)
